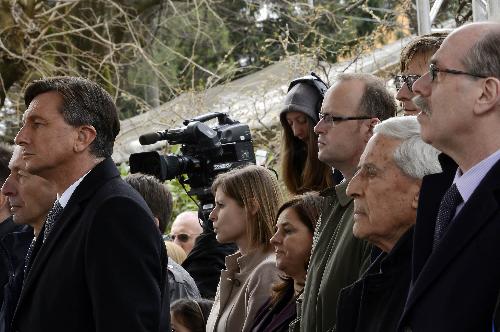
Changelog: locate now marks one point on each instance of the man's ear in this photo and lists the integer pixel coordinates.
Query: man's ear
(489, 98)
(86, 134)
(371, 125)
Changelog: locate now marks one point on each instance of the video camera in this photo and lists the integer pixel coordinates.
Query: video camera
(205, 152)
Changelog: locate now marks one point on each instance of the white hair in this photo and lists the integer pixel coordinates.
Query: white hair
(413, 156)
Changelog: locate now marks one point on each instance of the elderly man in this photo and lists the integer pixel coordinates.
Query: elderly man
(385, 191)
(99, 263)
(414, 63)
(30, 198)
(185, 229)
(352, 107)
(456, 256)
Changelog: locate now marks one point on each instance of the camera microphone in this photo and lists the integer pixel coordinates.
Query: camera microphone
(151, 138)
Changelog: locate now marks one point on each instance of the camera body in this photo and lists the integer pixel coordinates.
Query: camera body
(205, 153)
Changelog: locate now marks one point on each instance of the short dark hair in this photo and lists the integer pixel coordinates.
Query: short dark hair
(192, 313)
(84, 103)
(422, 45)
(376, 101)
(5, 156)
(156, 195)
(483, 57)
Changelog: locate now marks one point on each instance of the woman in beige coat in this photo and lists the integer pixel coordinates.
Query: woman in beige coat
(246, 203)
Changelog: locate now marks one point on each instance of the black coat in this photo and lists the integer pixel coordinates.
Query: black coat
(375, 302)
(103, 266)
(455, 288)
(6, 227)
(14, 247)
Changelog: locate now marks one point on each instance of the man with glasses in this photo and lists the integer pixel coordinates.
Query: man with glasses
(350, 110)
(456, 254)
(185, 229)
(414, 63)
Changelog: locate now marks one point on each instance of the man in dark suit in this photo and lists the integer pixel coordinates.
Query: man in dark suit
(99, 263)
(456, 253)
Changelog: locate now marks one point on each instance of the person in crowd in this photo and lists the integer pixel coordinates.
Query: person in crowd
(6, 223)
(188, 315)
(156, 195)
(99, 252)
(185, 229)
(175, 252)
(385, 190)
(300, 167)
(455, 275)
(413, 64)
(246, 203)
(159, 200)
(30, 198)
(292, 243)
(207, 259)
(352, 107)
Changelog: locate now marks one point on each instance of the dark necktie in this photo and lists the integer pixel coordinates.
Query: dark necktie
(27, 259)
(52, 217)
(449, 203)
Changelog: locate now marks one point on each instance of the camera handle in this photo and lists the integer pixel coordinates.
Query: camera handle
(222, 118)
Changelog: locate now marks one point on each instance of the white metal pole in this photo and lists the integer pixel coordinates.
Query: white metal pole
(479, 12)
(494, 10)
(424, 22)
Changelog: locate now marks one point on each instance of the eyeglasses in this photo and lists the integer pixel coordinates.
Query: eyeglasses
(182, 237)
(328, 118)
(433, 70)
(399, 80)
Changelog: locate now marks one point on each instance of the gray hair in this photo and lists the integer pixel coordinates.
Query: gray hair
(413, 156)
(482, 58)
(376, 100)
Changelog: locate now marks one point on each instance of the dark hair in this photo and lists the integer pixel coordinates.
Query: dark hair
(192, 314)
(156, 195)
(376, 100)
(301, 169)
(5, 156)
(483, 57)
(308, 208)
(84, 103)
(424, 45)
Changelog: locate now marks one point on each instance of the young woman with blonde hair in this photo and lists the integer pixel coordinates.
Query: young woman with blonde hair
(246, 203)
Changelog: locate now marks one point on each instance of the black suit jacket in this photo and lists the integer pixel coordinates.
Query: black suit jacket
(455, 288)
(103, 266)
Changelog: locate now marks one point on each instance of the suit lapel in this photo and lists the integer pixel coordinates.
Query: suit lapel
(100, 174)
(462, 231)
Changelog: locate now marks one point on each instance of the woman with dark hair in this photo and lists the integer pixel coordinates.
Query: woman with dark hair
(300, 167)
(189, 315)
(292, 244)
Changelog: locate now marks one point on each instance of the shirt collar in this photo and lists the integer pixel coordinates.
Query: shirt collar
(66, 195)
(468, 182)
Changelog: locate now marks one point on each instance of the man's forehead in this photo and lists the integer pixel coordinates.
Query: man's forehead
(38, 106)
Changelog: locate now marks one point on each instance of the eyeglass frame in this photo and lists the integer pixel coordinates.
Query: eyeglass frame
(332, 118)
(434, 69)
(405, 81)
(173, 236)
